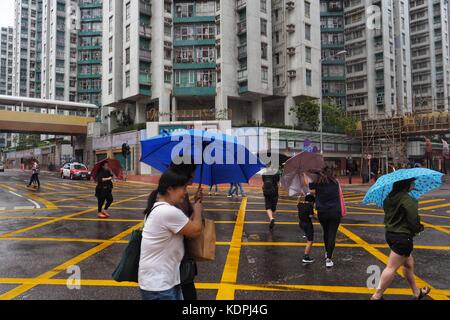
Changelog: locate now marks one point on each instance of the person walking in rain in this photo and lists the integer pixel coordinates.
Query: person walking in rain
(271, 178)
(34, 175)
(328, 205)
(402, 223)
(103, 191)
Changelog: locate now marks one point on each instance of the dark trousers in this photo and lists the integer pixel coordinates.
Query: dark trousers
(330, 223)
(101, 200)
(189, 291)
(35, 178)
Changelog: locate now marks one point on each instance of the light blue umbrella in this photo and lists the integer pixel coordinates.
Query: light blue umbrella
(220, 158)
(426, 180)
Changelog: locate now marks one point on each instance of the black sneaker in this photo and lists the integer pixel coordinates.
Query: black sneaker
(272, 224)
(307, 259)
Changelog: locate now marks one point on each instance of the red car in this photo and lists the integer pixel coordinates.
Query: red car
(75, 170)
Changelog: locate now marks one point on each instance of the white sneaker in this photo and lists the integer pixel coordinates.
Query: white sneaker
(329, 263)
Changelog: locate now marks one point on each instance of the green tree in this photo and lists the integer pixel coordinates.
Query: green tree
(307, 113)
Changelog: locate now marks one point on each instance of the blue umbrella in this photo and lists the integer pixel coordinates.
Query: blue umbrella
(220, 158)
(426, 180)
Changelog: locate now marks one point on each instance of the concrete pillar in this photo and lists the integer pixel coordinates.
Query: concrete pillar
(289, 117)
(164, 107)
(257, 110)
(174, 109)
(221, 105)
(140, 116)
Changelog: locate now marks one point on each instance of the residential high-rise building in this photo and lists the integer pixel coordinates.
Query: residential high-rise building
(90, 52)
(429, 30)
(26, 30)
(333, 63)
(59, 50)
(370, 62)
(247, 60)
(6, 60)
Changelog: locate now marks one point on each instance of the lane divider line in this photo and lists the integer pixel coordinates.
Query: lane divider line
(230, 271)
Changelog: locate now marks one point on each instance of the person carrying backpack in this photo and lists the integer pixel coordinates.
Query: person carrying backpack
(270, 191)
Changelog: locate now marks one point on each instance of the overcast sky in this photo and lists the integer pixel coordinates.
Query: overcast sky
(6, 13)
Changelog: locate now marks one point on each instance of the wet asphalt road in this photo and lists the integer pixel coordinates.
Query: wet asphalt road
(45, 233)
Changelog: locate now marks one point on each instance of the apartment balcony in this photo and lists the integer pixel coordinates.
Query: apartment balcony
(145, 31)
(200, 88)
(241, 4)
(379, 83)
(145, 79)
(145, 8)
(145, 55)
(242, 27)
(379, 65)
(379, 47)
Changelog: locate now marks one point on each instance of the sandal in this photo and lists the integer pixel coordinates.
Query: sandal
(102, 216)
(104, 212)
(381, 298)
(423, 293)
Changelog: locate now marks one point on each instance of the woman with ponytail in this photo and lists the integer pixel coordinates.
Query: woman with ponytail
(165, 227)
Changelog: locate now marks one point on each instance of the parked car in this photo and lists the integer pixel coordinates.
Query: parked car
(2, 167)
(75, 170)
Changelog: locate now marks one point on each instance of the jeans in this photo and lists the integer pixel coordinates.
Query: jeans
(172, 294)
(234, 189)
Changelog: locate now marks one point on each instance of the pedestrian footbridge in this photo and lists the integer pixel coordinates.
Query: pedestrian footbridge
(30, 115)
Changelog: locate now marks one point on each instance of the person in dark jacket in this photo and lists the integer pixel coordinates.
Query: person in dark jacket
(402, 223)
(328, 206)
(270, 191)
(103, 191)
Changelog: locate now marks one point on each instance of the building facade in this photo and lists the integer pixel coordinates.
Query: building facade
(6, 60)
(430, 55)
(333, 63)
(26, 31)
(247, 61)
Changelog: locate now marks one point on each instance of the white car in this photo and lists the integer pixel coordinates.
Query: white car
(2, 167)
(75, 170)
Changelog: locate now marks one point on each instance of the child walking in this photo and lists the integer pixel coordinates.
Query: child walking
(305, 214)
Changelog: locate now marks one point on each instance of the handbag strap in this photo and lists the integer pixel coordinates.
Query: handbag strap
(154, 207)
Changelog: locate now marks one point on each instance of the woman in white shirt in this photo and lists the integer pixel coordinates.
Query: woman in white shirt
(162, 246)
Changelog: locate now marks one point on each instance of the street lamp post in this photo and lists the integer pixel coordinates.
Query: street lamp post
(321, 96)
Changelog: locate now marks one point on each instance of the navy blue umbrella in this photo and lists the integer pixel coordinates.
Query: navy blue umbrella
(219, 157)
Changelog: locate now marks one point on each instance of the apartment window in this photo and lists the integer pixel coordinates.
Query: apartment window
(308, 54)
(307, 9)
(264, 27)
(264, 6)
(308, 78)
(127, 56)
(167, 77)
(264, 74)
(110, 65)
(110, 24)
(110, 44)
(127, 33)
(110, 86)
(264, 51)
(127, 10)
(127, 79)
(307, 31)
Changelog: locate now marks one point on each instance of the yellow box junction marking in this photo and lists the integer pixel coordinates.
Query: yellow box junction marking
(229, 277)
(383, 258)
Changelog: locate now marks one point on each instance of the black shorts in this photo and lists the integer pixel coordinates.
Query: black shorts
(400, 243)
(308, 228)
(271, 202)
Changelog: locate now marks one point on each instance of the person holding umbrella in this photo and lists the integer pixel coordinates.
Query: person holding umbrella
(103, 191)
(328, 205)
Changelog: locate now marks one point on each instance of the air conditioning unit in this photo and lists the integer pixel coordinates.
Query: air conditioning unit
(290, 28)
(290, 5)
(292, 73)
(291, 51)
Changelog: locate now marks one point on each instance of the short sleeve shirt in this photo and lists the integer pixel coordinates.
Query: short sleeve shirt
(162, 248)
